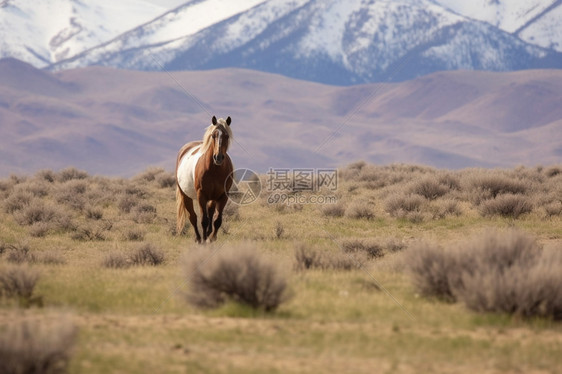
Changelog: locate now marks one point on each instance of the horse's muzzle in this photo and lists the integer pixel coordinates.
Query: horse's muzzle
(218, 159)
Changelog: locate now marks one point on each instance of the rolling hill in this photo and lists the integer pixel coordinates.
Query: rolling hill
(119, 122)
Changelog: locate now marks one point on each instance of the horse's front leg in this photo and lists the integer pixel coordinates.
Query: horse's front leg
(205, 220)
(210, 214)
(221, 203)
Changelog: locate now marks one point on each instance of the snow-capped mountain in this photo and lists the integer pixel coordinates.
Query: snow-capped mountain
(537, 22)
(329, 41)
(44, 32)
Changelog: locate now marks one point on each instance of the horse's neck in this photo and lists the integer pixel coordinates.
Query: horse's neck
(207, 158)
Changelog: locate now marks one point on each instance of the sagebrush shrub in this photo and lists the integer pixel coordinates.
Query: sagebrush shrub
(506, 205)
(34, 346)
(71, 173)
(310, 258)
(134, 234)
(333, 210)
(18, 200)
(116, 260)
(431, 269)
(127, 203)
(486, 186)
(18, 282)
(370, 247)
(360, 210)
(430, 188)
(147, 254)
(443, 208)
(89, 233)
(239, 274)
(399, 205)
(504, 272)
(19, 253)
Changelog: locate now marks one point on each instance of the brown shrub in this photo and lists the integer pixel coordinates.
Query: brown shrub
(18, 282)
(553, 171)
(144, 213)
(71, 173)
(432, 270)
(360, 210)
(553, 209)
(486, 186)
(46, 175)
(36, 211)
(19, 253)
(116, 260)
(504, 272)
(239, 274)
(507, 205)
(333, 210)
(309, 258)
(18, 200)
(511, 274)
(149, 175)
(127, 203)
(166, 180)
(40, 229)
(443, 208)
(134, 234)
(93, 212)
(33, 346)
(89, 233)
(370, 247)
(231, 211)
(400, 205)
(279, 230)
(72, 194)
(147, 254)
(430, 188)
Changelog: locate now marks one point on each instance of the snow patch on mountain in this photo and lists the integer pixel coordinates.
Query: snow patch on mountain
(43, 32)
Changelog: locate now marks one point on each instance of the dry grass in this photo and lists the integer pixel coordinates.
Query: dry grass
(134, 320)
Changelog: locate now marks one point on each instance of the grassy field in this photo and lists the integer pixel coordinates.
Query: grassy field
(355, 313)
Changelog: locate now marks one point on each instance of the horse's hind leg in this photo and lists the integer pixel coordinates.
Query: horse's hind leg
(192, 217)
(221, 203)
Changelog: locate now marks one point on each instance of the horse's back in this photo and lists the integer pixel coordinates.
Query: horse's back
(187, 159)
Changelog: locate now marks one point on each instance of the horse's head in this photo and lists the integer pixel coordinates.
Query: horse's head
(221, 134)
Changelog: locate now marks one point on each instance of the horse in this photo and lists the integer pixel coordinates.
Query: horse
(204, 174)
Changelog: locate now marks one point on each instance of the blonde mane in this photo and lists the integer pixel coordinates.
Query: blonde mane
(207, 138)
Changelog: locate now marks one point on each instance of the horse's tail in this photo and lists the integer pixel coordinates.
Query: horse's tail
(181, 209)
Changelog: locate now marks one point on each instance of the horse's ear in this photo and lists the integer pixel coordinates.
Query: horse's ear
(228, 120)
(214, 120)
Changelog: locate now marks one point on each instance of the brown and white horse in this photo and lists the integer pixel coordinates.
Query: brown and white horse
(204, 175)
